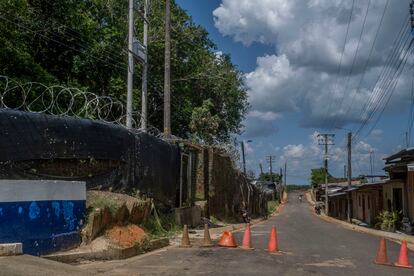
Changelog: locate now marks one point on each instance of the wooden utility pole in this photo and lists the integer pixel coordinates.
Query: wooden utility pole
(270, 159)
(167, 72)
(130, 64)
(345, 171)
(243, 157)
(349, 172)
(280, 185)
(326, 140)
(144, 104)
(261, 168)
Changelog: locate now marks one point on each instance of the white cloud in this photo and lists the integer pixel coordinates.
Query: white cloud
(294, 151)
(248, 148)
(303, 74)
(376, 134)
(265, 116)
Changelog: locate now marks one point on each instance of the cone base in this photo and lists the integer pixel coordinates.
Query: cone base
(246, 248)
(274, 252)
(403, 266)
(227, 246)
(381, 263)
(207, 245)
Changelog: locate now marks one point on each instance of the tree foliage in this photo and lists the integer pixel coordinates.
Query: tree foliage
(318, 177)
(83, 44)
(267, 177)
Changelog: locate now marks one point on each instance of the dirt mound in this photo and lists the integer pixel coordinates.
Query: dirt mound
(127, 236)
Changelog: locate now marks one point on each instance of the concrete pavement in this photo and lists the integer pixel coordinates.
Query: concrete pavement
(310, 245)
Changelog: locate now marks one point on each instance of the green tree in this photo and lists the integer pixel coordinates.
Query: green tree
(267, 177)
(318, 177)
(83, 44)
(204, 125)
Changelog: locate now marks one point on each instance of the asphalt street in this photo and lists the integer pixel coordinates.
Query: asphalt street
(309, 245)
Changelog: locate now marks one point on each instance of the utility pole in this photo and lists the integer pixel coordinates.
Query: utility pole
(130, 64)
(270, 159)
(280, 185)
(261, 168)
(371, 164)
(144, 103)
(326, 140)
(167, 72)
(349, 171)
(243, 157)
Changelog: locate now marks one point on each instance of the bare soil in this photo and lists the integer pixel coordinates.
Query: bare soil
(126, 236)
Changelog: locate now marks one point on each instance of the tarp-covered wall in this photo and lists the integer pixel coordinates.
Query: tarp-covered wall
(106, 156)
(229, 191)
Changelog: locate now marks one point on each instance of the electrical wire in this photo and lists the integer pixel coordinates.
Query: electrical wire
(353, 63)
(357, 90)
(340, 61)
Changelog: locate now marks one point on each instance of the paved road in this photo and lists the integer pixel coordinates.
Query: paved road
(311, 246)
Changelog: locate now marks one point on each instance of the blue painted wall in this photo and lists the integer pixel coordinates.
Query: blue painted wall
(42, 226)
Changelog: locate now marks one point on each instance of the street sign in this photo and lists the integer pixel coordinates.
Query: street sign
(139, 51)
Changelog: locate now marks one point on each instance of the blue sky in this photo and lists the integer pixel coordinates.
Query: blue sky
(301, 82)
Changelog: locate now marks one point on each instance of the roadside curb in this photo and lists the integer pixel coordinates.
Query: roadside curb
(108, 254)
(373, 232)
(164, 243)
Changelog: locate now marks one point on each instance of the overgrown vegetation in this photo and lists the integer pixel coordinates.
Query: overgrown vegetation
(267, 177)
(101, 202)
(272, 206)
(387, 221)
(162, 225)
(83, 44)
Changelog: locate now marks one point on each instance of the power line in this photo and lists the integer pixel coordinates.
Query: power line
(379, 88)
(353, 63)
(340, 61)
(356, 91)
(389, 88)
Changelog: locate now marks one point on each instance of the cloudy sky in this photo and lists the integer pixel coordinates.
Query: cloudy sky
(317, 66)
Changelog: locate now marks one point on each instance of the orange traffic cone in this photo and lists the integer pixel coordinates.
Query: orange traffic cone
(207, 239)
(227, 240)
(273, 246)
(382, 258)
(185, 241)
(247, 241)
(403, 260)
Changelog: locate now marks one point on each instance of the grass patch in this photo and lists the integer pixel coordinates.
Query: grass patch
(162, 225)
(101, 203)
(272, 206)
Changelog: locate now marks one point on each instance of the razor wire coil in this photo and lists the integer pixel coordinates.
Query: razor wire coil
(59, 100)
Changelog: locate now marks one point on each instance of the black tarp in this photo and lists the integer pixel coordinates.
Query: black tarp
(142, 162)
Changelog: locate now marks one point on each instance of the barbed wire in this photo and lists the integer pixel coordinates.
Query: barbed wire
(59, 100)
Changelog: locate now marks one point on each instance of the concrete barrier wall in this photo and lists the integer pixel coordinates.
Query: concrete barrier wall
(45, 216)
